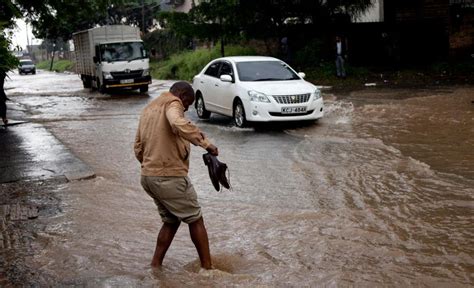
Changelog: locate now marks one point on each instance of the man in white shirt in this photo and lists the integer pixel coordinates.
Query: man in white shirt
(341, 54)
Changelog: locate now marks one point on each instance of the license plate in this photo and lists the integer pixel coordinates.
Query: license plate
(293, 110)
(126, 81)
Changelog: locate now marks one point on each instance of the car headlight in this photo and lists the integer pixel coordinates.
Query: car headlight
(317, 94)
(146, 72)
(258, 97)
(107, 75)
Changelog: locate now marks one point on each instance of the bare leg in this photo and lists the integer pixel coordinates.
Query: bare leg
(163, 242)
(198, 233)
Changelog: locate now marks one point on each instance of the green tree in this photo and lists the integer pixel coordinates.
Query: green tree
(217, 20)
(140, 13)
(8, 12)
(211, 20)
(58, 19)
(232, 19)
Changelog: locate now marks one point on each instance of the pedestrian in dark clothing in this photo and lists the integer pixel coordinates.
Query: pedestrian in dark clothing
(285, 49)
(341, 55)
(3, 99)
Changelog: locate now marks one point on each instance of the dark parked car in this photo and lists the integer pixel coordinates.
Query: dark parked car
(26, 66)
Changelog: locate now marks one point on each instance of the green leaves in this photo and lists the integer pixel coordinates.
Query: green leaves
(7, 60)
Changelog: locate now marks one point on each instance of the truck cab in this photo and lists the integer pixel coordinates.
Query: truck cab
(112, 56)
(122, 64)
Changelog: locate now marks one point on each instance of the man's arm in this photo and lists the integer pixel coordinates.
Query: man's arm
(186, 129)
(137, 147)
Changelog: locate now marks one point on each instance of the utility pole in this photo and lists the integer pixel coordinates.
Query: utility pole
(143, 17)
(52, 58)
(27, 39)
(107, 12)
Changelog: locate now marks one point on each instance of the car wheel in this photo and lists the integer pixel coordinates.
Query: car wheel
(239, 114)
(201, 108)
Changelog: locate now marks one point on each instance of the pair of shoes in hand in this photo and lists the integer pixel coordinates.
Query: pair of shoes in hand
(217, 170)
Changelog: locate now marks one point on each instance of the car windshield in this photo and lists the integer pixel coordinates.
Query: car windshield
(124, 51)
(23, 63)
(265, 71)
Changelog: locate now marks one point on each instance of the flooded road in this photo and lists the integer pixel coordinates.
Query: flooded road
(380, 192)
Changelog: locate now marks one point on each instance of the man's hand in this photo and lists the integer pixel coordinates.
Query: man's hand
(212, 149)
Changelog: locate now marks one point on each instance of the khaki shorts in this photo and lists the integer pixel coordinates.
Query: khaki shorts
(174, 196)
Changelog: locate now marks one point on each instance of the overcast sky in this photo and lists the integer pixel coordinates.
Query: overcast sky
(19, 35)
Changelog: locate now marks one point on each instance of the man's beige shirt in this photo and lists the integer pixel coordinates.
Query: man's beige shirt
(163, 137)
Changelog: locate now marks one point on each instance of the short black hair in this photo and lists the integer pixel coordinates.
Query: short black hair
(182, 89)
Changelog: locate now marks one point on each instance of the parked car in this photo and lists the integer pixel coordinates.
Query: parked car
(26, 66)
(255, 89)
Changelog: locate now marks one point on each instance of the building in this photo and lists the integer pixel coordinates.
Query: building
(413, 32)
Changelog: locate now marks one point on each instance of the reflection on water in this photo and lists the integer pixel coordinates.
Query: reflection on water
(374, 194)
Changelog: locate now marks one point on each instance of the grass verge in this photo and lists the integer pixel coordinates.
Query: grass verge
(185, 65)
(58, 66)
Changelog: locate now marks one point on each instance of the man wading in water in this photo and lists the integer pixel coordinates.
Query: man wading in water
(162, 147)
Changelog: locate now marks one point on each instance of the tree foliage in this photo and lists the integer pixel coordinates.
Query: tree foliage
(66, 17)
(8, 12)
(57, 20)
(7, 60)
(134, 13)
(231, 19)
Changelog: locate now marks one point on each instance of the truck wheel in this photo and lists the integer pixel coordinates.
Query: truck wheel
(143, 88)
(102, 89)
(87, 82)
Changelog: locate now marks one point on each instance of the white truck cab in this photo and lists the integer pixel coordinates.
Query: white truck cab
(112, 56)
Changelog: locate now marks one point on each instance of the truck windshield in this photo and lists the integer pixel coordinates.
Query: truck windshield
(124, 51)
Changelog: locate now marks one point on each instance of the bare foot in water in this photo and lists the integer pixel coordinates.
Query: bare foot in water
(5, 121)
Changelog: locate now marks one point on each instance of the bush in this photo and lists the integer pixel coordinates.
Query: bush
(325, 74)
(185, 65)
(58, 66)
(310, 55)
(162, 43)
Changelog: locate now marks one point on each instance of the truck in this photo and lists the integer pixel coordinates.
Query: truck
(112, 56)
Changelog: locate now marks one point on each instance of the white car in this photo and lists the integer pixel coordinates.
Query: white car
(255, 89)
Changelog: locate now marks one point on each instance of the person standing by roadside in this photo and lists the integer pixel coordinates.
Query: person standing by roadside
(341, 55)
(162, 146)
(3, 100)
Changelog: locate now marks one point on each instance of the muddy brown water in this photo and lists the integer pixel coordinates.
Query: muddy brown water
(377, 193)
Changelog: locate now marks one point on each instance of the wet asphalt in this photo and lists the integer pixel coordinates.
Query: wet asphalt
(375, 194)
(30, 152)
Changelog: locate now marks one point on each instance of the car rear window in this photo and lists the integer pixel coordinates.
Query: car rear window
(265, 71)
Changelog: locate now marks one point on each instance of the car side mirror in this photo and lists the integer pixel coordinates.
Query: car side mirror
(95, 59)
(301, 74)
(226, 78)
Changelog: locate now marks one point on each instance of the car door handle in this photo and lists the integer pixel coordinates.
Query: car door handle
(216, 85)
(202, 82)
